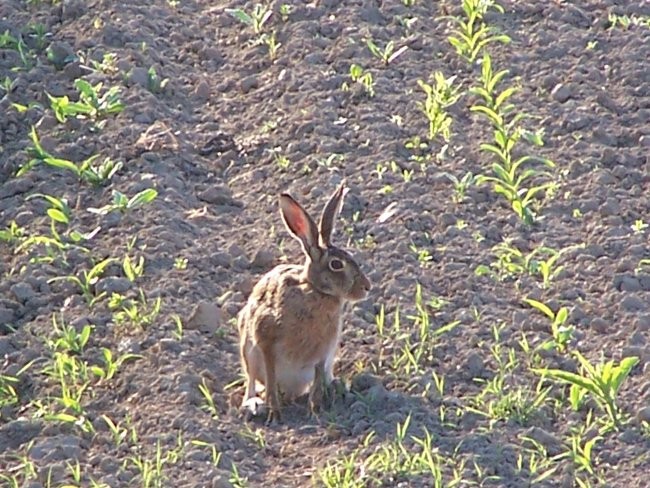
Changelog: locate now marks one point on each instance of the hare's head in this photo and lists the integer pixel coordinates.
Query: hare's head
(329, 269)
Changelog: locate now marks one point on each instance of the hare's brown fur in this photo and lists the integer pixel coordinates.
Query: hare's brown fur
(290, 326)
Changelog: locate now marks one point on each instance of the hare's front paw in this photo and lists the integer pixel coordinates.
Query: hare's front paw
(322, 395)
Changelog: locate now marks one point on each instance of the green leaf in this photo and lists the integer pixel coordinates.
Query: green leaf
(58, 216)
(141, 198)
(540, 307)
(62, 164)
(571, 378)
(561, 316)
(623, 371)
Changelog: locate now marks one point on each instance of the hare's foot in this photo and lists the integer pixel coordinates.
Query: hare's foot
(253, 407)
(323, 394)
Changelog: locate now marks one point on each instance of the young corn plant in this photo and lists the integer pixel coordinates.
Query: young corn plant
(561, 332)
(110, 366)
(257, 19)
(440, 95)
(86, 281)
(387, 54)
(460, 185)
(91, 104)
(124, 204)
(363, 78)
(97, 174)
(473, 35)
(66, 338)
(511, 176)
(602, 382)
(139, 313)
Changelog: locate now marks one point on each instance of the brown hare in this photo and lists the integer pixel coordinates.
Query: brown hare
(291, 324)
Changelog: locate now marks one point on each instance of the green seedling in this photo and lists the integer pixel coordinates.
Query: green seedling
(439, 96)
(39, 33)
(561, 332)
(388, 54)
(579, 452)
(280, 159)
(178, 327)
(90, 105)
(123, 204)
(12, 233)
(108, 64)
(65, 337)
(119, 433)
(511, 175)
(257, 19)
(473, 35)
(209, 405)
(639, 226)
(139, 313)
(86, 281)
(602, 382)
(271, 43)
(215, 454)
(155, 84)
(285, 12)
(460, 185)
(7, 41)
(357, 75)
(625, 21)
(95, 174)
(110, 366)
(133, 269)
(180, 264)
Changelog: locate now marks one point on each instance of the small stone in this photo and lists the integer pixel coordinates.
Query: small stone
(56, 448)
(113, 284)
(474, 366)
(139, 76)
(643, 323)
(364, 381)
(202, 91)
(643, 414)
(600, 325)
(552, 444)
(632, 303)
(241, 263)
(264, 258)
(221, 259)
(216, 195)
(73, 70)
(561, 93)
(23, 292)
(206, 317)
(624, 282)
(60, 53)
(6, 316)
(249, 83)
(5, 346)
(644, 281)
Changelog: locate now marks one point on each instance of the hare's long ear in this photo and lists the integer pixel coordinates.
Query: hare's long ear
(330, 212)
(300, 225)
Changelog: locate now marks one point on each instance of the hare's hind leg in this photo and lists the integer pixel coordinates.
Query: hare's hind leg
(252, 363)
(271, 385)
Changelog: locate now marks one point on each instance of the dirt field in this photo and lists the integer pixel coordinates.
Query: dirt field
(109, 378)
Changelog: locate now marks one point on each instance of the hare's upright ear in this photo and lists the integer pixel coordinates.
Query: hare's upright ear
(330, 212)
(300, 225)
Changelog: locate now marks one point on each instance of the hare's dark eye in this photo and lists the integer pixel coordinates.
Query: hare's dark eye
(336, 264)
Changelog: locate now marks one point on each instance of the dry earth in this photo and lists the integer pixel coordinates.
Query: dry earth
(212, 141)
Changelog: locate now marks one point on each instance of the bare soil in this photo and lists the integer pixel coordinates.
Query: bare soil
(206, 141)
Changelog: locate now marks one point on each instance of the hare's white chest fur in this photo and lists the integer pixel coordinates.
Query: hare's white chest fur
(295, 375)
